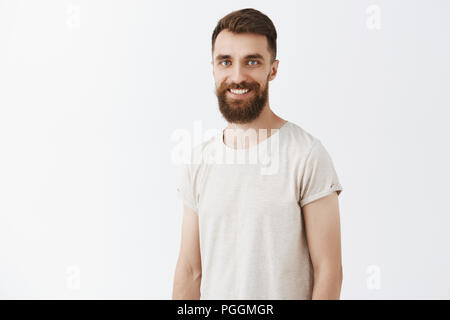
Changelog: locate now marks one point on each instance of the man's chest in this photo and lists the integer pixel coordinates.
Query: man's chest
(242, 192)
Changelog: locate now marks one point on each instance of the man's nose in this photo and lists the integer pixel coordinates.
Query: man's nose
(238, 74)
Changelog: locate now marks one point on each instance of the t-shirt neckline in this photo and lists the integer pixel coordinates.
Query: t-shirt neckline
(256, 146)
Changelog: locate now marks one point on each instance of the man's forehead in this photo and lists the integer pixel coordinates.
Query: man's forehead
(238, 45)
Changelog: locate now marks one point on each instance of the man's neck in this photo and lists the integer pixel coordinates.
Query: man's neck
(267, 120)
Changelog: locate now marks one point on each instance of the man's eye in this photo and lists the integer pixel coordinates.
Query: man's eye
(223, 62)
(254, 61)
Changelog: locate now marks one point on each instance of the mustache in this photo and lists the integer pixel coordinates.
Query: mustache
(243, 85)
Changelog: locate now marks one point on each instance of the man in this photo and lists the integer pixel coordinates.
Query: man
(249, 233)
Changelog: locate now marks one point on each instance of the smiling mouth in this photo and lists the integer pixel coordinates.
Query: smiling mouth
(239, 93)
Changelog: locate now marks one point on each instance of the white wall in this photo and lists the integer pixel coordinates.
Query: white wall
(91, 92)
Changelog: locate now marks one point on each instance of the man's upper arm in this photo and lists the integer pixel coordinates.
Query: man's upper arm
(322, 224)
(190, 242)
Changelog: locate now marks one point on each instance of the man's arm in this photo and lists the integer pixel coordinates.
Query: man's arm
(188, 272)
(324, 241)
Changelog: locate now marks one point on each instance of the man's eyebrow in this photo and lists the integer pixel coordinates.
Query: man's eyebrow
(223, 56)
(254, 56)
(249, 56)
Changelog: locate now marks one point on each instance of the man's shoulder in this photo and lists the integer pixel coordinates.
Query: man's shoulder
(200, 152)
(300, 138)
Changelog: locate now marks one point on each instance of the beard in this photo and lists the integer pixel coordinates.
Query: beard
(242, 110)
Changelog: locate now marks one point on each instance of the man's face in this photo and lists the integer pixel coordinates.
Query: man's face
(242, 62)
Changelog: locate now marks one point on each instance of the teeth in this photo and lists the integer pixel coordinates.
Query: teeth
(239, 91)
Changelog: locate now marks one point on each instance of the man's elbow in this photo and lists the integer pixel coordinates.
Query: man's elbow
(196, 275)
(327, 282)
(187, 282)
(332, 272)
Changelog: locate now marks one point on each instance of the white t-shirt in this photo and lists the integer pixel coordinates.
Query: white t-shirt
(252, 235)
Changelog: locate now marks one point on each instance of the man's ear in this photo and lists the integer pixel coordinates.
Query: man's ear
(274, 69)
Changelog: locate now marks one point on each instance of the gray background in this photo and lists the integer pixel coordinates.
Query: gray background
(92, 91)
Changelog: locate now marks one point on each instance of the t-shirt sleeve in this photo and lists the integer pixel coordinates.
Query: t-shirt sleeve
(186, 187)
(319, 176)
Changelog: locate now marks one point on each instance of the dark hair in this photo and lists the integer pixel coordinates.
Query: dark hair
(248, 20)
